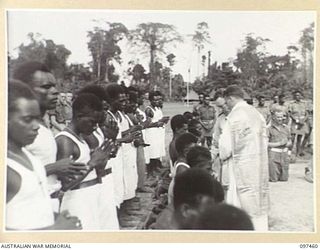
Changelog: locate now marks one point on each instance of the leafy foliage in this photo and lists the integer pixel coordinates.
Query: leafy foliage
(201, 36)
(103, 46)
(170, 59)
(253, 69)
(42, 50)
(306, 42)
(154, 39)
(260, 73)
(138, 74)
(179, 87)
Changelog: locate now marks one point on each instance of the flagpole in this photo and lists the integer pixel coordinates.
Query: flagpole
(188, 82)
(170, 87)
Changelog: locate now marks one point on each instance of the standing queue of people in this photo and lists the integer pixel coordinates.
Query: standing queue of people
(80, 177)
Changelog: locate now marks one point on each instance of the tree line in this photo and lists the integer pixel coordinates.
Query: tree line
(253, 68)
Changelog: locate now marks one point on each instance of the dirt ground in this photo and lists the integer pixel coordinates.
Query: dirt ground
(291, 203)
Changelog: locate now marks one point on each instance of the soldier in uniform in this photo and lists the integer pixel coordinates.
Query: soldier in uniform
(275, 99)
(197, 106)
(307, 141)
(279, 141)
(207, 119)
(284, 108)
(298, 114)
(264, 110)
(67, 110)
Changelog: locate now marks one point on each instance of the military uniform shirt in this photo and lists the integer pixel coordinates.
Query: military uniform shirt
(278, 133)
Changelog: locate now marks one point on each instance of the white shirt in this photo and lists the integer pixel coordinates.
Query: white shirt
(44, 148)
(31, 207)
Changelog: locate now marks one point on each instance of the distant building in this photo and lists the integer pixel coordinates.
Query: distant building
(193, 96)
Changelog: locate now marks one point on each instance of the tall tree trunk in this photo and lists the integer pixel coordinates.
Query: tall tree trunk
(152, 73)
(170, 85)
(209, 62)
(99, 61)
(99, 68)
(304, 55)
(198, 63)
(106, 77)
(310, 72)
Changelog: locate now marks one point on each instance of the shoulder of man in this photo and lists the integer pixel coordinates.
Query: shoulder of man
(243, 114)
(109, 117)
(148, 108)
(285, 126)
(212, 107)
(63, 140)
(149, 111)
(269, 129)
(292, 102)
(238, 115)
(309, 105)
(305, 103)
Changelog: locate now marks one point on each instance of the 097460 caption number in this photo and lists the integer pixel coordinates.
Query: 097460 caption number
(308, 245)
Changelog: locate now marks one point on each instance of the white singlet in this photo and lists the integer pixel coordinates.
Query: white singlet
(155, 137)
(130, 174)
(108, 212)
(174, 173)
(30, 208)
(44, 148)
(83, 202)
(117, 168)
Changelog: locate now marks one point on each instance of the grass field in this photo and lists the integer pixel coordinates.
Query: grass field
(291, 203)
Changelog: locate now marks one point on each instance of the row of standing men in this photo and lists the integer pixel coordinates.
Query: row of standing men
(91, 167)
(297, 114)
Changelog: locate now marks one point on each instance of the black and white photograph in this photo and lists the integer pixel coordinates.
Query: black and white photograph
(160, 120)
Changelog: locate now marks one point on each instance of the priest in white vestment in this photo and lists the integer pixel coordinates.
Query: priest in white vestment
(243, 147)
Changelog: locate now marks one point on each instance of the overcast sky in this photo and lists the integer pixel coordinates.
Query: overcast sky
(227, 30)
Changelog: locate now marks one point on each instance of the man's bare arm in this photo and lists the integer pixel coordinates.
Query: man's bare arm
(13, 183)
(66, 148)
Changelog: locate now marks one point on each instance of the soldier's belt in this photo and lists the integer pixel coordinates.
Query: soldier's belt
(86, 184)
(279, 150)
(56, 194)
(106, 172)
(227, 159)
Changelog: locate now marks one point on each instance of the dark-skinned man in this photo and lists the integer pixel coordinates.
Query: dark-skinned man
(43, 83)
(156, 150)
(86, 199)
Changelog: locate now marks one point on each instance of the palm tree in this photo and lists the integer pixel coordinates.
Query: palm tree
(170, 59)
(200, 38)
